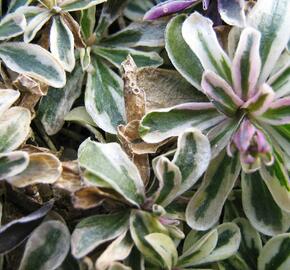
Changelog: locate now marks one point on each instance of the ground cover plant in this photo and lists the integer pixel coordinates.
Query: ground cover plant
(145, 135)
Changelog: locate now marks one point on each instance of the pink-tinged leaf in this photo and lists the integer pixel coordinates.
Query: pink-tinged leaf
(247, 64)
(233, 12)
(167, 8)
(278, 113)
(260, 102)
(220, 93)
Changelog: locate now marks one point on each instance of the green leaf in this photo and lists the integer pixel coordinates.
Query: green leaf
(96, 230)
(14, 128)
(159, 125)
(277, 180)
(104, 97)
(87, 21)
(116, 55)
(7, 98)
(118, 250)
(34, 61)
(260, 208)
(198, 33)
(142, 224)
(271, 18)
(165, 247)
(146, 33)
(13, 163)
(15, 4)
(57, 103)
(205, 207)
(12, 25)
(47, 247)
(180, 54)
(197, 246)
(43, 168)
(251, 243)
(111, 164)
(136, 9)
(112, 9)
(275, 254)
(75, 5)
(62, 43)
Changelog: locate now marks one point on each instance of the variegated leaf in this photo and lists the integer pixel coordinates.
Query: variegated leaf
(136, 9)
(220, 93)
(247, 64)
(165, 247)
(116, 55)
(260, 208)
(159, 125)
(80, 115)
(12, 25)
(229, 238)
(205, 207)
(57, 103)
(14, 128)
(169, 177)
(278, 112)
(118, 250)
(192, 158)
(104, 97)
(149, 34)
(34, 61)
(197, 246)
(118, 266)
(251, 243)
(47, 247)
(96, 230)
(280, 81)
(235, 262)
(232, 12)
(142, 224)
(85, 57)
(13, 163)
(180, 54)
(36, 22)
(15, 232)
(111, 164)
(62, 43)
(277, 180)
(275, 254)
(198, 33)
(43, 168)
(7, 98)
(271, 18)
(74, 5)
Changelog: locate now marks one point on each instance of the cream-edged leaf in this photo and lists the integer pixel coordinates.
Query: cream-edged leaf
(34, 61)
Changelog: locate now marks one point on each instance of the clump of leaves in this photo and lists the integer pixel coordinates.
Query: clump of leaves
(247, 113)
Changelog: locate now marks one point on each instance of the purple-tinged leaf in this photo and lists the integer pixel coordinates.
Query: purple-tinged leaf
(232, 12)
(16, 231)
(167, 8)
(260, 103)
(247, 64)
(220, 93)
(278, 113)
